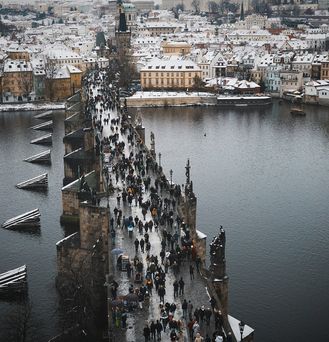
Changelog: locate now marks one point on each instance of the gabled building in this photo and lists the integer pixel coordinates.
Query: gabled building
(16, 80)
(174, 72)
(291, 81)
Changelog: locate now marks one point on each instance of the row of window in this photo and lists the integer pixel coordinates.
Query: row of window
(170, 82)
(169, 74)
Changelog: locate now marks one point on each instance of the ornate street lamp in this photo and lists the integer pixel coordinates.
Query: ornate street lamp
(241, 326)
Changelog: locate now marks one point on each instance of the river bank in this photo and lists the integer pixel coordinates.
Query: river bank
(24, 107)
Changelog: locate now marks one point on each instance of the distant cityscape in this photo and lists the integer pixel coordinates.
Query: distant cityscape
(277, 47)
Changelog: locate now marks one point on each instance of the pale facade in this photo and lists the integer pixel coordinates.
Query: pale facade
(169, 73)
(176, 48)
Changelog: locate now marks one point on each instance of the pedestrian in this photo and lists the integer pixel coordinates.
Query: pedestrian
(128, 269)
(196, 328)
(190, 328)
(207, 339)
(202, 312)
(184, 307)
(212, 303)
(146, 333)
(219, 338)
(162, 255)
(136, 245)
(141, 243)
(181, 286)
(198, 338)
(173, 308)
(148, 247)
(229, 337)
(189, 309)
(124, 320)
(161, 292)
(164, 319)
(158, 327)
(175, 285)
(191, 272)
(208, 314)
(173, 335)
(153, 330)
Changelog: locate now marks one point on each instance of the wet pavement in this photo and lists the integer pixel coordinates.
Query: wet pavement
(195, 290)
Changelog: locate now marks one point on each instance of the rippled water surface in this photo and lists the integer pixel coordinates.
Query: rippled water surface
(263, 174)
(38, 251)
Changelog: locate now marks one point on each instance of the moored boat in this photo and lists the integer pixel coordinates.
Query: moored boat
(297, 111)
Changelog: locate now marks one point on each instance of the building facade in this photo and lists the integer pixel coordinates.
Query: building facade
(170, 73)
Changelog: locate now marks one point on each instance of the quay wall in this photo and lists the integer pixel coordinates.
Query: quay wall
(171, 101)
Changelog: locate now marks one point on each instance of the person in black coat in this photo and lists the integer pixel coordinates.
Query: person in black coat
(146, 333)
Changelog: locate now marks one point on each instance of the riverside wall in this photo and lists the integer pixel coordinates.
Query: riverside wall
(171, 101)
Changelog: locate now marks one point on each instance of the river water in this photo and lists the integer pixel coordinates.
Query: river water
(38, 252)
(261, 173)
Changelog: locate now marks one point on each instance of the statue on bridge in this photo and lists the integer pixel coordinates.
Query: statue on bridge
(217, 248)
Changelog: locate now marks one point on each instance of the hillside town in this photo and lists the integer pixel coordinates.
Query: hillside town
(47, 47)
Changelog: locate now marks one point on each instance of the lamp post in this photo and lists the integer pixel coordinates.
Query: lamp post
(241, 326)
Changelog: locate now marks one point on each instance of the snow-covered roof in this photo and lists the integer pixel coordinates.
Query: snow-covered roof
(171, 64)
(73, 70)
(17, 65)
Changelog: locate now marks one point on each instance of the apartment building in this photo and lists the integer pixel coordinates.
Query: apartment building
(173, 72)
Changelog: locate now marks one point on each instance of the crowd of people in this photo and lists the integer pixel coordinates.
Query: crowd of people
(138, 182)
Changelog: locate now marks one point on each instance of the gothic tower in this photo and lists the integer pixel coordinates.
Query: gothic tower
(122, 33)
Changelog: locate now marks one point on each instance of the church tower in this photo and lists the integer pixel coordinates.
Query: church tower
(122, 33)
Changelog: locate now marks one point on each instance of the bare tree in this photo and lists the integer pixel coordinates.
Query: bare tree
(18, 326)
(196, 5)
(51, 71)
(81, 291)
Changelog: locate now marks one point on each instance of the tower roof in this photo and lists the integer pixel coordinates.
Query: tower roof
(122, 23)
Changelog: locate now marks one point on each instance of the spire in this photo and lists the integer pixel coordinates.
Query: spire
(242, 11)
(122, 23)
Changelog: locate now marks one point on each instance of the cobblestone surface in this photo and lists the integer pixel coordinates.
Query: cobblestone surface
(194, 289)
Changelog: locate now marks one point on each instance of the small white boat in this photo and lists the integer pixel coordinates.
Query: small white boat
(297, 111)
